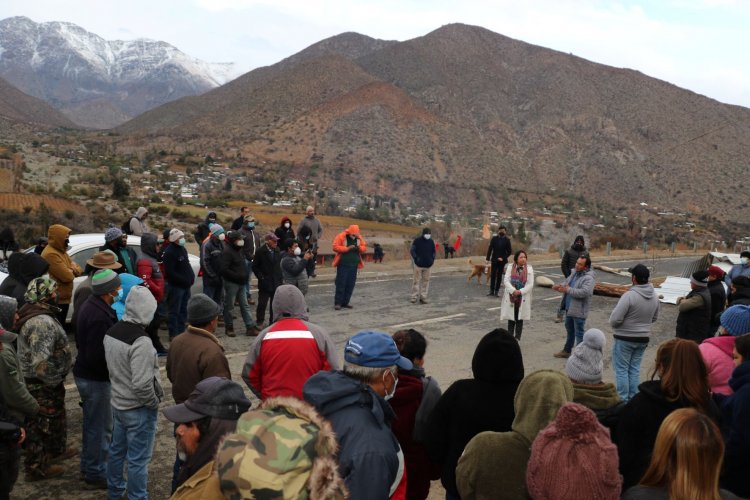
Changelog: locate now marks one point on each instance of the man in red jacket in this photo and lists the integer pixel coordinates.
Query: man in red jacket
(289, 351)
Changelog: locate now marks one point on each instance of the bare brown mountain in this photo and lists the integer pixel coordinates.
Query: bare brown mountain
(461, 114)
(15, 106)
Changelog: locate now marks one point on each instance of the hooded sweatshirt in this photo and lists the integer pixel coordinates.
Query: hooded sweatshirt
(137, 226)
(470, 406)
(131, 358)
(147, 267)
(43, 349)
(283, 233)
(287, 353)
(496, 461)
(128, 282)
(61, 268)
(717, 354)
(370, 459)
(22, 268)
(635, 311)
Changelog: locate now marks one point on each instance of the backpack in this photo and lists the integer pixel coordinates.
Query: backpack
(125, 228)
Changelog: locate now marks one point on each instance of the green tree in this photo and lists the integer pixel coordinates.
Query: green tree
(120, 188)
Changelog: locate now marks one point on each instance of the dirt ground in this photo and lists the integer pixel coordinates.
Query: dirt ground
(458, 315)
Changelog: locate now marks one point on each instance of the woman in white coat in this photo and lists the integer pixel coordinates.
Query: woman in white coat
(519, 283)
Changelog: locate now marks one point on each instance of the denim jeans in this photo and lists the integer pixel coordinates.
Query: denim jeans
(178, 299)
(132, 439)
(575, 328)
(97, 427)
(626, 359)
(249, 269)
(216, 292)
(232, 292)
(346, 278)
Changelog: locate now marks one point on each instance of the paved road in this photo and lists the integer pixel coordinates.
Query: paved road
(457, 316)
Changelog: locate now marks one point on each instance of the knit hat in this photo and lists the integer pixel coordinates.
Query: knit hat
(212, 397)
(112, 233)
(215, 229)
(736, 320)
(700, 278)
(573, 457)
(104, 260)
(201, 309)
(585, 362)
(40, 290)
(175, 234)
(716, 272)
(234, 236)
(8, 308)
(284, 449)
(105, 281)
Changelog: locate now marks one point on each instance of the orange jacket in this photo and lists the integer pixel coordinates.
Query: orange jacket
(61, 268)
(339, 245)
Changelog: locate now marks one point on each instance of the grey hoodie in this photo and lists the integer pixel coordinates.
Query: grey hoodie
(131, 357)
(635, 311)
(580, 293)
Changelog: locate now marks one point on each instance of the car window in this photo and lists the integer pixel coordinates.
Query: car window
(83, 255)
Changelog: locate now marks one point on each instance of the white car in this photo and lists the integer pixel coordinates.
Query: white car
(84, 246)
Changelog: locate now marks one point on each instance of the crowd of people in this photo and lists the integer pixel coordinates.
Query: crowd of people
(368, 422)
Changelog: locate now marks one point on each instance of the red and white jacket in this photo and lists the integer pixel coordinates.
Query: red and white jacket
(285, 355)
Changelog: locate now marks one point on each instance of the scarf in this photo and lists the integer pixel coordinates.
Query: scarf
(518, 280)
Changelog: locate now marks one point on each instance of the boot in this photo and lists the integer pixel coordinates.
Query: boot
(229, 331)
(252, 331)
(519, 330)
(39, 475)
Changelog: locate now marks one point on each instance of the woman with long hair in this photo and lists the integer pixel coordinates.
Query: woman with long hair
(519, 283)
(682, 383)
(686, 461)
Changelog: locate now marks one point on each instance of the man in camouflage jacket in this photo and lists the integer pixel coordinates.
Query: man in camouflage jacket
(44, 359)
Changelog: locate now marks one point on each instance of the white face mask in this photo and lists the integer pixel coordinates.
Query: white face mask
(240, 243)
(222, 236)
(287, 225)
(298, 251)
(390, 395)
(743, 261)
(427, 236)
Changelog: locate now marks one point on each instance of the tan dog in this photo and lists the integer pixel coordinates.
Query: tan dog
(478, 270)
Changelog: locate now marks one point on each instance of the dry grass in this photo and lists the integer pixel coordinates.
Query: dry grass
(13, 201)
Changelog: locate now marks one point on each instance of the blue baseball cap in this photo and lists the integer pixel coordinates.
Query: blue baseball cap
(374, 350)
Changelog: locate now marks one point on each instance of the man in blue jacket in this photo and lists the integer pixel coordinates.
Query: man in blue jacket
(355, 402)
(423, 255)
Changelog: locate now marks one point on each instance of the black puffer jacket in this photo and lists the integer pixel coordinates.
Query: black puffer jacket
(470, 406)
(22, 268)
(233, 264)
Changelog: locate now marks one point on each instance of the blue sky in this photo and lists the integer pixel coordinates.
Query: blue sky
(701, 45)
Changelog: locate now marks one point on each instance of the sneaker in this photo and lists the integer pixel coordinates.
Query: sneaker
(252, 331)
(313, 275)
(348, 306)
(229, 331)
(69, 453)
(562, 354)
(559, 319)
(413, 300)
(490, 294)
(424, 301)
(337, 307)
(96, 484)
(39, 475)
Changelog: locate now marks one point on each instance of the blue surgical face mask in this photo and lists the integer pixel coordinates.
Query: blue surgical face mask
(181, 242)
(118, 297)
(743, 261)
(250, 225)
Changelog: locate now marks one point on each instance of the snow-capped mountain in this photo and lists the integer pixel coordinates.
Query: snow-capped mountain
(100, 83)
